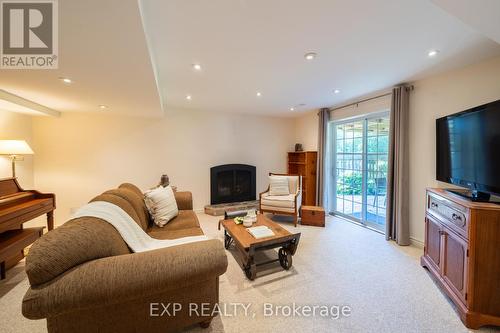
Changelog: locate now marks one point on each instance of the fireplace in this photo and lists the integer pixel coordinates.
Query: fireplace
(232, 183)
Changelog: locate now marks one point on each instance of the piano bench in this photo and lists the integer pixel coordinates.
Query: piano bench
(13, 242)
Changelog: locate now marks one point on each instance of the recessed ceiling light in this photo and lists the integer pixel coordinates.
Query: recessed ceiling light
(336, 91)
(102, 107)
(310, 55)
(188, 97)
(65, 80)
(197, 67)
(433, 53)
(259, 94)
(291, 109)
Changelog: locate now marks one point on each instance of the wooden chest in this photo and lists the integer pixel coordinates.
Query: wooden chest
(313, 215)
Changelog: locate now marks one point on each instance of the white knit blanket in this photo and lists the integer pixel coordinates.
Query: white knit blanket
(131, 232)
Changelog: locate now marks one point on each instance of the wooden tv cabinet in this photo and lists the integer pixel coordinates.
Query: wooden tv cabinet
(462, 253)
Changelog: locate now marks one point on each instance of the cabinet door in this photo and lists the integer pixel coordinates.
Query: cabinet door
(433, 241)
(454, 262)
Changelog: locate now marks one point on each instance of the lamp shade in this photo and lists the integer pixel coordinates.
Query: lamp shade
(15, 147)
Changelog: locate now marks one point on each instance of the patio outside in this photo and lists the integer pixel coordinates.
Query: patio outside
(375, 207)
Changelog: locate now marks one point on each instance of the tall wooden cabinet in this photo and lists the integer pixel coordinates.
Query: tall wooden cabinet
(304, 163)
(462, 252)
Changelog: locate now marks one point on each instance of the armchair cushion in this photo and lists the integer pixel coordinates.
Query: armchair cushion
(278, 185)
(277, 209)
(287, 201)
(293, 183)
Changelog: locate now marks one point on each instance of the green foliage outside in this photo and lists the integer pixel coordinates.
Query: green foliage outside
(353, 184)
(350, 142)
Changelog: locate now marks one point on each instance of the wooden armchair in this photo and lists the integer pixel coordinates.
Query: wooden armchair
(283, 204)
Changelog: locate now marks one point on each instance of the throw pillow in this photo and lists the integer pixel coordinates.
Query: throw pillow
(278, 185)
(161, 205)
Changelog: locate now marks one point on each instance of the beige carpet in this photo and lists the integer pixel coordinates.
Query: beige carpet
(342, 264)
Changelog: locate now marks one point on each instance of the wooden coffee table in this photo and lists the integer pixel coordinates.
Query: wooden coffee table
(247, 245)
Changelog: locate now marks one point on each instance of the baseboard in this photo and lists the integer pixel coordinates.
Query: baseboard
(413, 241)
(416, 243)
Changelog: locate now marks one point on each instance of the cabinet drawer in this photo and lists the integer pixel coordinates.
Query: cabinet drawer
(449, 213)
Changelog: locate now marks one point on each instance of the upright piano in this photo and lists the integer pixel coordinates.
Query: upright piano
(18, 206)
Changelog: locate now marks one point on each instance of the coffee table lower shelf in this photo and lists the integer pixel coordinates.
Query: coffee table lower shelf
(248, 246)
(287, 245)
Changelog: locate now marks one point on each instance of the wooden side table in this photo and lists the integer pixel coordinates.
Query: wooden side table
(313, 215)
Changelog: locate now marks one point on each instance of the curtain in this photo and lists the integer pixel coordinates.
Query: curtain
(324, 118)
(397, 214)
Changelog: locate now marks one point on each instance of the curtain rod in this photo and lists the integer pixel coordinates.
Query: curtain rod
(366, 100)
(361, 101)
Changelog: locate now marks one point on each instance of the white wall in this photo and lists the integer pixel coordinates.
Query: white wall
(432, 98)
(306, 130)
(15, 126)
(79, 156)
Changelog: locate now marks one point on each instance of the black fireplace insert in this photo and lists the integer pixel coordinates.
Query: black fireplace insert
(232, 183)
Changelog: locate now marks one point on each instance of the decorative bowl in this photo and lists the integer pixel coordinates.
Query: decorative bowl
(248, 221)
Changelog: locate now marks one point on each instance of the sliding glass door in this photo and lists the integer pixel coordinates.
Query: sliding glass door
(360, 149)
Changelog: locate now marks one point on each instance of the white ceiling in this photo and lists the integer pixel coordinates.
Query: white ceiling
(103, 50)
(483, 15)
(247, 46)
(13, 107)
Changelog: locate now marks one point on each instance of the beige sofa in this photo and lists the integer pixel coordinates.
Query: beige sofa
(84, 278)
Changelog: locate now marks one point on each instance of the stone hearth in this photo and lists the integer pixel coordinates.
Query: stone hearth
(219, 209)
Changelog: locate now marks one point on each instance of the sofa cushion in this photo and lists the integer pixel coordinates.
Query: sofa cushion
(136, 202)
(161, 204)
(287, 201)
(161, 233)
(132, 188)
(185, 220)
(184, 200)
(120, 202)
(75, 242)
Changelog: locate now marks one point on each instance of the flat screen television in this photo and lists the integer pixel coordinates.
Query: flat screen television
(468, 151)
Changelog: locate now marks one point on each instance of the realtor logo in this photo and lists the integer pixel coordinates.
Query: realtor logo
(29, 34)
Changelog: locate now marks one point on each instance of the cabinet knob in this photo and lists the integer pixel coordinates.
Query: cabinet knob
(456, 217)
(434, 205)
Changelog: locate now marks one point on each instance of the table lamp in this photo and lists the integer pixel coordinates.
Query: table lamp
(14, 148)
